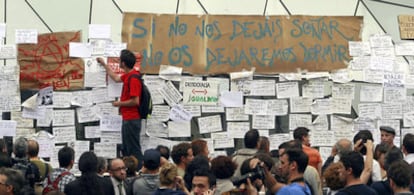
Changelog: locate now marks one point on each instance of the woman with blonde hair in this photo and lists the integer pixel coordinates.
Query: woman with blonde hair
(170, 182)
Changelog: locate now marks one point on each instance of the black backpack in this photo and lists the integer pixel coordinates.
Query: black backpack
(145, 101)
(29, 171)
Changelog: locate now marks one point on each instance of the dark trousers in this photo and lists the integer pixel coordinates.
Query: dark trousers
(131, 145)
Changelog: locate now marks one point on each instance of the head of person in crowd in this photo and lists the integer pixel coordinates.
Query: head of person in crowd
(302, 134)
(380, 151)
(343, 145)
(66, 157)
(267, 160)
(251, 139)
(399, 175)
(331, 176)
(293, 163)
(5, 160)
(223, 167)
(353, 165)
(264, 144)
(88, 165)
(131, 164)
(246, 168)
(164, 151)
(199, 162)
(182, 154)
(11, 181)
(200, 147)
(33, 148)
(117, 169)
(387, 135)
(360, 138)
(392, 155)
(408, 144)
(152, 160)
(203, 182)
(128, 59)
(20, 147)
(168, 174)
(102, 165)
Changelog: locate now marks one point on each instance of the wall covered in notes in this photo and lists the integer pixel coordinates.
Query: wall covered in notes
(375, 89)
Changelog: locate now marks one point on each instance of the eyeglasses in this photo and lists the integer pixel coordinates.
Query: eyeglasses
(120, 168)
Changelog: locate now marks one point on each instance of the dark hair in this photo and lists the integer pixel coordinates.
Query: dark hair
(205, 173)
(131, 163)
(298, 156)
(164, 151)
(223, 167)
(292, 144)
(33, 148)
(88, 165)
(393, 154)
(266, 159)
(65, 156)
(14, 178)
(381, 148)
(128, 58)
(20, 147)
(408, 142)
(180, 150)
(199, 162)
(5, 160)
(264, 144)
(251, 138)
(400, 173)
(353, 160)
(364, 135)
(300, 132)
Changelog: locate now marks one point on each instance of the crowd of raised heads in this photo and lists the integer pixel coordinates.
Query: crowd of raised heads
(354, 166)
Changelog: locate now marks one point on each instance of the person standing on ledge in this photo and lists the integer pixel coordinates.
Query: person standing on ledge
(128, 103)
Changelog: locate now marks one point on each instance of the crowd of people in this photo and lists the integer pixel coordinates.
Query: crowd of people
(354, 167)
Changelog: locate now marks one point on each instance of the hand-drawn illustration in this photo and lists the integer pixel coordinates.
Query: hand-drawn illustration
(48, 63)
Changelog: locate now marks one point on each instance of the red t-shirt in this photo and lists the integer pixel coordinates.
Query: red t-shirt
(130, 112)
(313, 155)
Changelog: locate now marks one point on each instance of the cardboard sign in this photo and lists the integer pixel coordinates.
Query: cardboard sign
(406, 23)
(47, 63)
(214, 44)
(200, 93)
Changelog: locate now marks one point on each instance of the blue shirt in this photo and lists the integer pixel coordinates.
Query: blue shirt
(294, 189)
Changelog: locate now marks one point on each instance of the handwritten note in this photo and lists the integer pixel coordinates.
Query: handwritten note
(8, 52)
(236, 114)
(82, 98)
(322, 106)
(92, 132)
(231, 99)
(359, 48)
(237, 129)
(46, 143)
(323, 138)
(195, 110)
(392, 111)
(277, 139)
(64, 134)
(300, 104)
(254, 87)
(107, 150)
(170, 94)
(343, 91)
(222, 140)
(212, 109)
(20, 121)
(179, 129)
(178, 113)
(87, 114)
(155, 128)
(314, 89)
(26, 36)
(63, 117)
(114, 49)
(299, 120)
(46, 121)
(160, 112)
(287, 89)
(7, 128)
(110, 123)
(370, 110)
(263, 122)
(61, 99)
(209, 124)
(224, 83)
(371, 93)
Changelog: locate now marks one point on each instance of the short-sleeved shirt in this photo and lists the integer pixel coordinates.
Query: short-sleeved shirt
(313, 155)
(130, 112)
(294, 189)
(64, 180)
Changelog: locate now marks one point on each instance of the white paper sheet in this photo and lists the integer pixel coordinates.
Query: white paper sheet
(110, 123)
(179, 129)
(99, 31)
(209, 124)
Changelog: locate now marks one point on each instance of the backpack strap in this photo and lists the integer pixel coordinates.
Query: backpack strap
(138, 76)
(60, 176)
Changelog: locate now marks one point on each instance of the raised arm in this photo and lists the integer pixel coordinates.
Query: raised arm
(109, 71)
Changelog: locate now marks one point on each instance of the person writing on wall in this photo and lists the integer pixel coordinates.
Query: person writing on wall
(128, 103)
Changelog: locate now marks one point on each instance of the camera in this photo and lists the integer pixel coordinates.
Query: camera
(257, 173)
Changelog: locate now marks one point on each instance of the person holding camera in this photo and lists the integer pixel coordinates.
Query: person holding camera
(293, 163)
